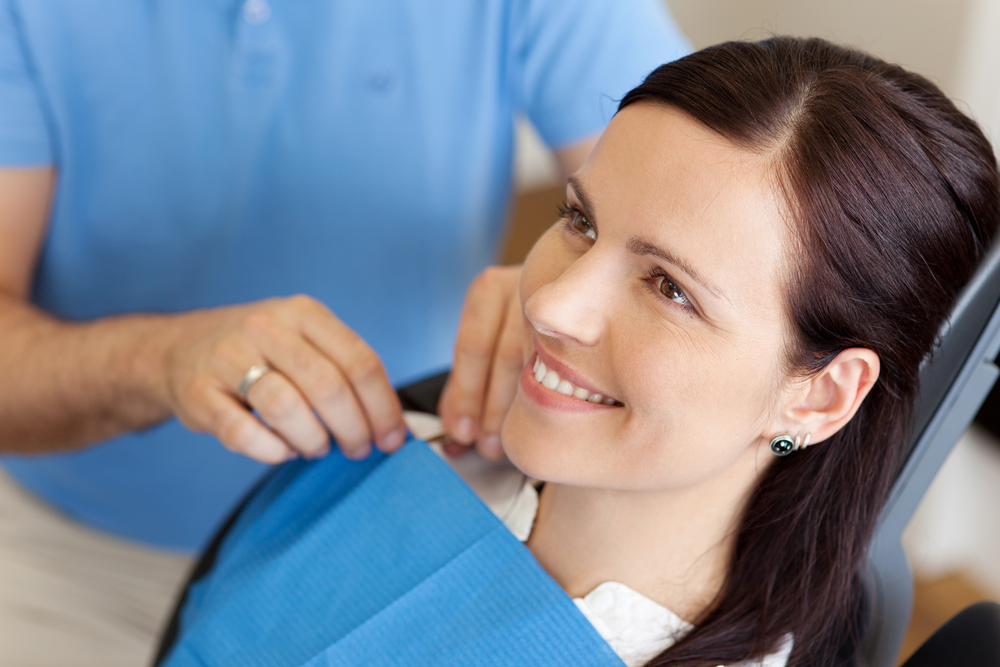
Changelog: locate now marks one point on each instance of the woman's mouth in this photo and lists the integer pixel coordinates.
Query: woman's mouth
(550, 383)
(550, 379)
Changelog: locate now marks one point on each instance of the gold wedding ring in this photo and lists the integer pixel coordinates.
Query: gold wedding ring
(255, 373)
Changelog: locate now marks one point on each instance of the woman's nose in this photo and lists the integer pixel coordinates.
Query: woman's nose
(574, 306)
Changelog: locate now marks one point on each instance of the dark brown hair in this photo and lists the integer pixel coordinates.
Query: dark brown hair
(894, 197)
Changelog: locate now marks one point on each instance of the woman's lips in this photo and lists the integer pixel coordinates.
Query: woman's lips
(550, 379)
(564, 373)
(548, 388)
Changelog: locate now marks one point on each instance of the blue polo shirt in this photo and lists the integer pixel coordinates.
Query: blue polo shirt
(212, 152)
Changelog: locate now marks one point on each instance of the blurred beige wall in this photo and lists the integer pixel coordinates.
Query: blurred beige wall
(922, 35)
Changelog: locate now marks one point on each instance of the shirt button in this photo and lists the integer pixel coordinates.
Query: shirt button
(256, 12)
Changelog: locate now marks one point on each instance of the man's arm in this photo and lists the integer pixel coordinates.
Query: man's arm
(51, 398)
(488, 351)
(69, 384)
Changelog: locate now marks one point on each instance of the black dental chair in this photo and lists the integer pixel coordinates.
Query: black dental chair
(954, 383)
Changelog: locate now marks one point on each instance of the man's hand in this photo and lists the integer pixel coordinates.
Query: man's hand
(324, 380)
(488, 351)
(488, 362)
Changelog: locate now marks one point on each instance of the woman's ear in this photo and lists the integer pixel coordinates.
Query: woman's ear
(828, 401)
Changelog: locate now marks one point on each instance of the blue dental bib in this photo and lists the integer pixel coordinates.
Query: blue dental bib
(388, 561)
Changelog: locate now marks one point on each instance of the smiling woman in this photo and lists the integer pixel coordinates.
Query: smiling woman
(733, 263)
(753, 262)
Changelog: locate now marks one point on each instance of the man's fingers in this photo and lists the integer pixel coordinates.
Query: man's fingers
(323, 388)
(504, 376)
(478, 333)
(324, 380)
(240, 431)
(363, 374)
(283, 408)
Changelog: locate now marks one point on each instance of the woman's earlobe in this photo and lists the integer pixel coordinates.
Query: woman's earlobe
(836, 393)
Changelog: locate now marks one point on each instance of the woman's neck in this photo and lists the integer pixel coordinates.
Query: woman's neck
(671, 546)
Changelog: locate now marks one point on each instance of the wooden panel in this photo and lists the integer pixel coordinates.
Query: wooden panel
(935, 602)
(533, 213)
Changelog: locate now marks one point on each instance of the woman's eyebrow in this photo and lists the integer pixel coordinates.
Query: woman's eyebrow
(640, 246)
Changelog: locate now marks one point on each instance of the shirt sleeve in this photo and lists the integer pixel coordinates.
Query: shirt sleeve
(24, 134)
(573, 61)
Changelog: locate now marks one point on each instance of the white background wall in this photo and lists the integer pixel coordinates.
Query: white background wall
(922, 35)
(955, 43)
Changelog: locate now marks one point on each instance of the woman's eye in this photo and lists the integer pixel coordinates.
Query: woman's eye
(673, 292)
(582, 225)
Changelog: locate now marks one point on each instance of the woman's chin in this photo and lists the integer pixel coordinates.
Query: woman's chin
(534, 448)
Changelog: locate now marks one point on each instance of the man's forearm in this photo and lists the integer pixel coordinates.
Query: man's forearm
(66, 385)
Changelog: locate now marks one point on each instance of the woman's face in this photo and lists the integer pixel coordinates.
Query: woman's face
(661, 288)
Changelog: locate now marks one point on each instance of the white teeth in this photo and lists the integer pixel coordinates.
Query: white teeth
(551, 380)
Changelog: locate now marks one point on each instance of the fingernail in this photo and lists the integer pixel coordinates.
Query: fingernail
(393, 440)
(491, 447)
(320, 453)
(465, 430)
(453, 449)
(360, 453)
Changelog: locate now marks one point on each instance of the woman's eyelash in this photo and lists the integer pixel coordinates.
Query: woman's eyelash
(570, 215)
(576, 221)
(681, 299)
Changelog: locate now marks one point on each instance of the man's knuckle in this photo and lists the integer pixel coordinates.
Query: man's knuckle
(303, 358)
(327, 390)
(474, 345)
(305, 306)
(484, 277)
(196, 390)
(237, 434)
(279, 405)
(499, 276)
(302, 302)
(478, 285)
(259, 322)
(363, 366)
(491, 274)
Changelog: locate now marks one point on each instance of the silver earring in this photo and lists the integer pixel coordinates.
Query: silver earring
(782, 445)
(805, 441)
